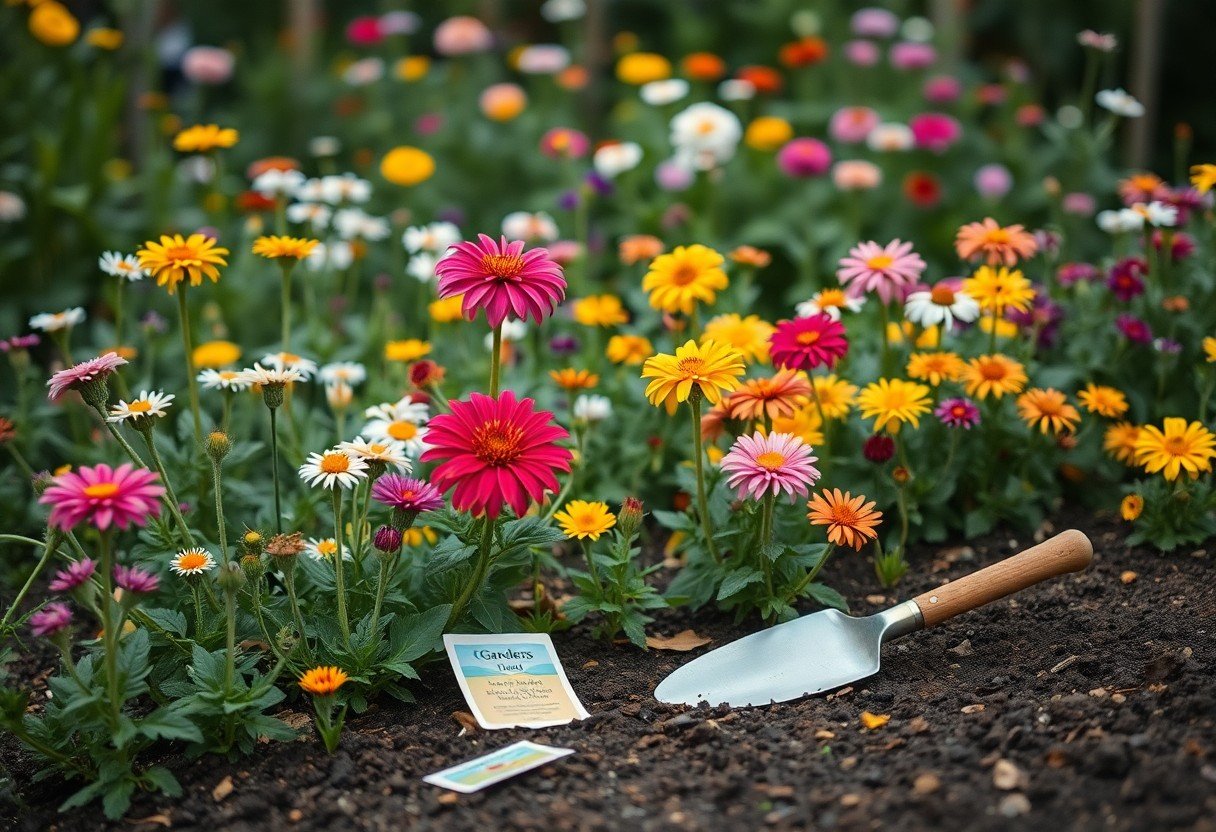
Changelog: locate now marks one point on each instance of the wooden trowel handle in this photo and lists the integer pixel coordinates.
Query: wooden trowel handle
(1068, 551)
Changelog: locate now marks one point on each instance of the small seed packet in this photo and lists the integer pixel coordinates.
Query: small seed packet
(513, 680)
(496, 766)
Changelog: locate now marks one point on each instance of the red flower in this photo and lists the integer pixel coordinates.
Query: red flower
(494, 451)
(501, 278)
(807, 343)
(922, 189)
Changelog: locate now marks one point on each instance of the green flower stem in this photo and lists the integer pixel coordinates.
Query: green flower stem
(111, 625)
(339, 579)
(285, 302)
(45, 750)
(219, 509)
(126, 446)
(230, 640)
(20, 460)
(591, 568)
(885, 319)
(274, 472)
(388, 560)
(811, 575)
(198, 610)
(289, 583)
(694, 408)
(48, 549)
(170, 496)
(188, 345)
(119, 291)
(226, 414)
(496, 362)
(766, 539)
(480, 568)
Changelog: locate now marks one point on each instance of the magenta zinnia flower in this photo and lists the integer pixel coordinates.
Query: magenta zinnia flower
(1126, 281)
(84, 373)
(1134, 329)
(495, 451)
(807, 343)
(134, 579)
(958, 413)
(51, 619)
(103, 496)
(406, 493)
(890, 271)
(760, 465)
(73, 575)
(501, 278)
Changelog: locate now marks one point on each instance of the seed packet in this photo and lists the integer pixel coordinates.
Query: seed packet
(488, 769)
(513, 680)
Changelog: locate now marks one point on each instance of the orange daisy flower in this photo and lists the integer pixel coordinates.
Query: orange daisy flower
(994, 243)
(850, 520)
(993, 375)
(1048, 409)
(777, 396)
(571, 379)
(1120, 441)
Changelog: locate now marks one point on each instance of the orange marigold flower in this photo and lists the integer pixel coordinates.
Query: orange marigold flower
(993, 375)
(751, 256)
(323, 681)
(779, 395)
(703, 66)
(571, 379)
(1048, 409)
(639, 248)
(806, 51)
(935, 367)
(1120, 441)
(1131, 507)
(993, 243)
(1105, 401)
(850, 520)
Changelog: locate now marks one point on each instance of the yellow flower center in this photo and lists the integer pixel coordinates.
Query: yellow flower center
(328, 548)
(181, 255)
(942, 296)
(502, 266)
(831, 298)
(992, 370)
(376, 448)
(140, 406)
(880, 261)
(705, 127)
(1176, 445)
(101, 490)
(335, 463)
(497, 444)
(403, 431)
(772, 460)
(807, 338)
(406, 495)
(691, 367)
(191, 560)
(997, 237)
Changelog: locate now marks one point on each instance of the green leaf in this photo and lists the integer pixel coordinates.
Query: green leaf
(449, 553)
(208, 667)
(117, 799)
(735, 581)
(827, 596)
(169, 723)
(679, 521)
(163, 780)
(166, 619)
(528, 533)
(413, 636)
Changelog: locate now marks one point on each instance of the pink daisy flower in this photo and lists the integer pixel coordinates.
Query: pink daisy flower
(759, 465)
(807, 343)
(501, 278)
(494, 451)
(958, 413)
(103, 496)
(890, 271)
(73, 575)
(134, 579)
(406, 493)
(83, 374)
(51, 619)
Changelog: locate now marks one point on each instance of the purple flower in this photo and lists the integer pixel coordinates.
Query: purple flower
(568, 200)
(563, 345)
(1071, 273)
(1168, 346)
(958, 413)
(1044, 314)
(909, 55)
(75, 574)
(134, 579)
(1126, 278)
(154, 322)
(51, 619)
(597, 183)
(1186, 200)
(406, 493)
(1133, 329)
(387, 539)
(804, 157)
(1182, 245)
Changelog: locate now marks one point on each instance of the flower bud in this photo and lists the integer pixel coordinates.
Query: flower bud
(630, 516)
(878, 448)
(231, 577)
(272, 395)
(41, 482)
(285, 548)
(252, 542)
(387, 539)
(218, 445)
(253, 567)
(901, 475)
(96, 392)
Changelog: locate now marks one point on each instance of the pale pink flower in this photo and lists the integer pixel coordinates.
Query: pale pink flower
(760, 465)
(890, 271)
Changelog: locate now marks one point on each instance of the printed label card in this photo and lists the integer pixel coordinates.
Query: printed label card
(496, 766)
(513, 680)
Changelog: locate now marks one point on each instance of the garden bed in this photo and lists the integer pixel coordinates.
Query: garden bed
(1085, 702)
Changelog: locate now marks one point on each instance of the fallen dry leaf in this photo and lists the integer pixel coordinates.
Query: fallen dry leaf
(448, 799)
(682, 641)
(589, 664)
(153, 820)
(222, 789)
(873, 722)
(851, 799)
(1006, 776)
(918, 725)
(824, 734)
(1128, 577)
(466, 721)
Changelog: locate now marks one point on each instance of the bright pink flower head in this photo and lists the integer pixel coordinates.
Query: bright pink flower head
(873, 22)
(1182, 245)
(1126, 280)
(208, 65)
(73, 575)
(909, 55)
(462, 35)
(935, 132)
(1069, 273)
(364, 31)
(889, 271)
(958, 413)
(807, 343)
(84, 373)
(942, 89)
(494, 451)
(51, 619)
(406, 493)
(103, 496)
(564, 143)
(1078, 203)
(801, 158)
(1134, 329)
(851, 125)
(760, 465)
(993, 181)
(134, 579)
(862, 52)
(501, 278)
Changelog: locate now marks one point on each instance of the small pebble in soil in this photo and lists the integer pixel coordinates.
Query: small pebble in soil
(926, 783)
(1014, 805)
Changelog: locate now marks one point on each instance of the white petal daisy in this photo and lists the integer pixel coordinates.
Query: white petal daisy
(147, 404)
(324, 549)
(116, 264)
(55, 321)
(190, 562)
(223, 380)
(306, 367)
(942, 306)
(262, 376)
(334, 468)
(389, 451)
(405, 409)
(831, 302)
(350, 372)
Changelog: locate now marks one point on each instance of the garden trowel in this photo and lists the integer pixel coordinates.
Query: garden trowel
(828, 649)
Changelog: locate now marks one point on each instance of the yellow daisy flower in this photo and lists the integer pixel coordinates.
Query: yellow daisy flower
(1209, 349)
(447, 310)
(680, 279)
(176, 258)
(891, 402)
(935, 367)
(749, 336)
(409, 349)
(836, 396)
(629, 349)
(1176, 447)
(284, 248)
(215, 354)
(1120, 441)
(993, 375)
(600, 310)
(803, 423)
(710, 368)
(1103, 400)
(999, 289)
(1203, 177)
(204, 138)
(585, 520)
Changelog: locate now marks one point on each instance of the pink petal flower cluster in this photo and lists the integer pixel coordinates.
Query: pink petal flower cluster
(501, 278)
(134, 579)
(51, 619)
(890, 271)
(86, 372)
(493, 451)
(760, 465)
(103, 496)
(73, 575)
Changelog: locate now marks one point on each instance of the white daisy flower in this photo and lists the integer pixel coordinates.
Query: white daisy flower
(306, 367)
(389, 451)
(56, 321)
(660, 93)
(12, 207)
(147, 404)
(276, 183)
(315, 214)
(612, 160)
(262, 376)
(942, 306)
(436, 238)
(405, 408)
(354, 223)
(1120, 102)
(1158, 214)
(592, 408)
(346, 188)
(560, 11)
(889, 137)
(191, 562)
(339, 395)
(422, 267)
(542, 59)
(1120, 221)
(222, 380)
(324, 146)
(705, 135)
(337, 255)
(832, 302)
(351, 372)
(324, 549)
(312, 190)
(116, 264)
(334, 468)
(736, 89)
(532, 228)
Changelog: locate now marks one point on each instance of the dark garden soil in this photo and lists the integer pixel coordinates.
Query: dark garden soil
(1086, 703)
